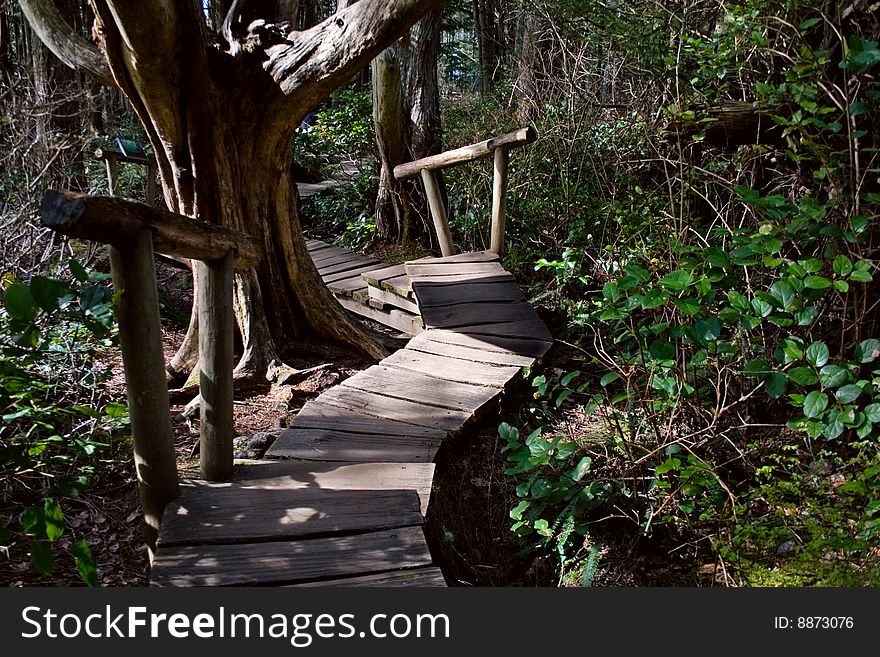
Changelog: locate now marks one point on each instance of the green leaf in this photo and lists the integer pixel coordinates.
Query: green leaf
(54, 519)
(783, 293)
(581, 468)
(833, 429)
(842, 265)
(708, 329)
(867, 350)
(47, 292)
(817, 282)
(806, 316)
(817, 354)
(517, 511)
(761, 308)
(41, 557)
(792, 349)
(776, 384)
(872, 412)
(638, 273)
(31, 521)
(848, 393)
(608, 378)
(841, 286)
(677, 280)
(654, 298)
(738, 301)
(815, 404)
(19, 302)
(669, 464)
(611, 292)
(662, 350)
(687, 306)
(833, 376)
(803, 376)
(861, 276)
(78, 271)
(86, 565)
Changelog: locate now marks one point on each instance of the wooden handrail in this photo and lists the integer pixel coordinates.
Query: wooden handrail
(469, 153)
(134, 230)
(428, 166)
(114, 220)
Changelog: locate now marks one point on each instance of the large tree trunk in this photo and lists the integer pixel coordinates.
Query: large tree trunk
(406, 113)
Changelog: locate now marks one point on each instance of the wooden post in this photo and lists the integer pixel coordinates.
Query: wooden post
(112, 174)
(438, 212)
(499, 200)
(140, 337)
(215, 366)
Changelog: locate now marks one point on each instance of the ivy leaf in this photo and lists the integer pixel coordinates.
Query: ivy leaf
(842, 265)
(848, 394)
(815, 404)
(817, 282)
(817, 354)
(41, 557)
(783, 293)
(803, 376)
(85, 562)
(867, 350)
(833, 376)
(776, 384)
(677, 280)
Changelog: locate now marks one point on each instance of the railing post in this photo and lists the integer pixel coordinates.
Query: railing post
(112, 174)
(140, 337)
(438, 212)
(215, 279)
(151, 193)
(499, 200)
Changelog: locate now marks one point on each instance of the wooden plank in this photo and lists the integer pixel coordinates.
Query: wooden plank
(337, 258)
(330, 253)
(353, 261)
(416, 270)
(349, 287)
(205, 514)
(288, 475)
(533, 329)
(462, 278)
(395, 318)
(458, 258)
(396, 409)
(452, 369)
(390, 298)
(416, 577)
(318, 415)
(420, 388)
(496, 343)
(290, 562)
(376, 276)
(351, 273)
(438, 348)
(333, 445)
(399, 285)
(466, 314)
(446, 295)
(316, 245)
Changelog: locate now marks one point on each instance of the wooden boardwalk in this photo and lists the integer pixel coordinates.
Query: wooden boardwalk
(341, 496)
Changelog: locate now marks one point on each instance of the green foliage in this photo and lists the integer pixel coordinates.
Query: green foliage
(51, 444)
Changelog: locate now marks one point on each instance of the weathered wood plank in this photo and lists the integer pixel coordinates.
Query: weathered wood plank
(232, 513)
(396, 409)
(487, 342)
(417, 577)
(289, 562)
(462, 278)
(349, 287)
(468, 292)
(385, 297)
(399, 285)
(452, 369)
(315, 245)
(376, 276)
(325, 444)
(395, 318)
(417, 270)
(318, 415)
(467, 314)
(354, 261)
(350, 273)
(458, 258)
(533, 329)
(332, 253)
(420, 388)
(466, 353)
(289, 475)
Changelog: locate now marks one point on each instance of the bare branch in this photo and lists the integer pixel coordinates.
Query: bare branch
(314, 62)
(71, 48)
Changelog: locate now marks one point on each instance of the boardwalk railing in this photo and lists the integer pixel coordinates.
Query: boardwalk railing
(134, 231)
(426, 167)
